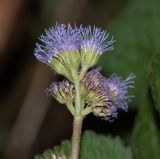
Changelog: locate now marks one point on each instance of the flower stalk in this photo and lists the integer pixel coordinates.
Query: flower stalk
(78, 119)
(77, 96)
(77, 126)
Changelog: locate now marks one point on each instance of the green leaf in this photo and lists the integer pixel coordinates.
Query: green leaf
(145, 136)
(155, 79)
(64, 148)
(136, 32)
(101, 147)
(95, 146)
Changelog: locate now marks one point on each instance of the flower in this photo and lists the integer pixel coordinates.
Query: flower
(94, 80)
(106, 96)
(119, 90)
(63, 38)
(58, 39)
(96, 95)
(96, 39)
(61, 91)
(67, 49)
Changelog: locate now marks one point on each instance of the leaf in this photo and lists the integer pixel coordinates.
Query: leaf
(101, 147)
(95, 146)
(64, 148)
(145, 136)
(155, 79)
(136, 32)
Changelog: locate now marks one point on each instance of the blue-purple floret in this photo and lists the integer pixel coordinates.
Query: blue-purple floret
(56, 40)
(97, 39)
(119, 89)
(66, 38)
(112, 93)
(113, 114)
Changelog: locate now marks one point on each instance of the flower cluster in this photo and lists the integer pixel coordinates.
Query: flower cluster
(106, 96)
(71, 52)
(63, 38)
(66, 49)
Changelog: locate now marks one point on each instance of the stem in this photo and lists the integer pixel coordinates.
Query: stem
(78, 118)
(82, 73)
(77, 125)
(77, 97)
(86, 111)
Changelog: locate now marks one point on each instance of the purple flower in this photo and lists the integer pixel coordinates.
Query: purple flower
(56, 40)
(112, 114)
(97, 96)
(96, 39)
(106, 96)
(119, 90)
(61, 91)
(64, 38)
(93, 80)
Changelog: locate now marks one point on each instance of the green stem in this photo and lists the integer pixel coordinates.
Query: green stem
(77, 97)
(70, 107)
(82, 73)
(86, 111)
(77, 125)
(78, 118)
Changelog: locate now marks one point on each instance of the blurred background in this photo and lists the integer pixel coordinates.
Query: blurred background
(30, 121)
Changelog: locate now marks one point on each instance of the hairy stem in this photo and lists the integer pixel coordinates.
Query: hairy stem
(77, 96)
(70, 107)
(77, 125)
(86, 111)
(82, 73)
(78, 119)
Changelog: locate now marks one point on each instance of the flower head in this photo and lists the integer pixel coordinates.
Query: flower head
(97, 96)
(61, 91)
(96, 39)
(57, 39)
(119, 90)
(106, 96)
(94, 80)
(66, 49)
